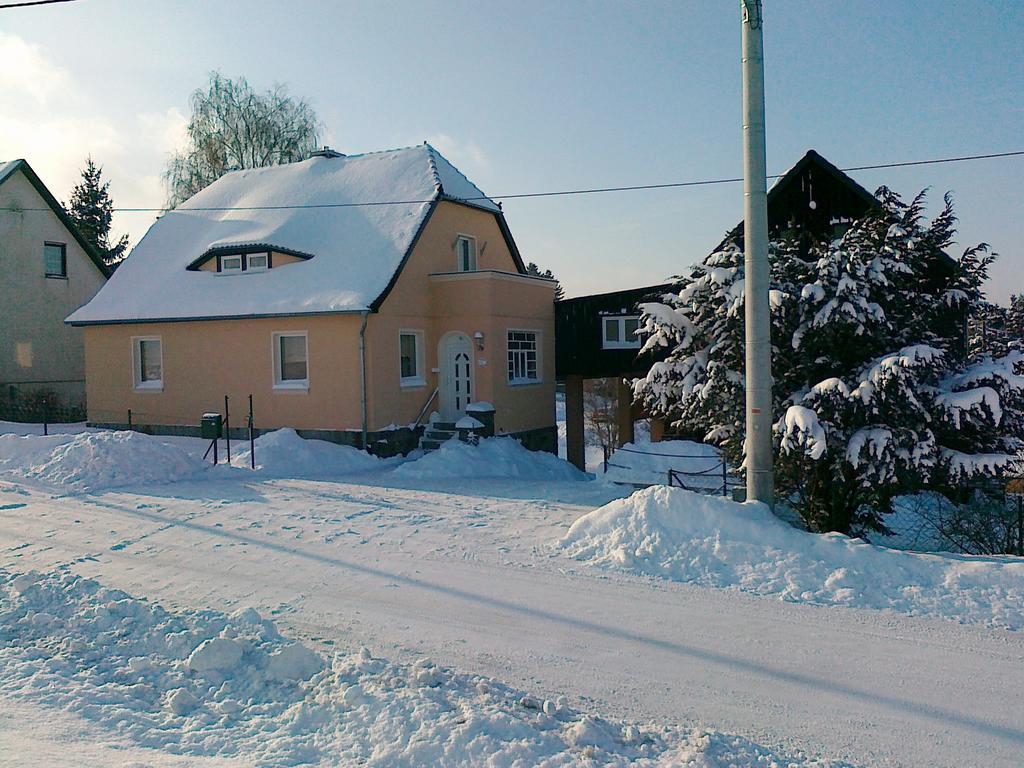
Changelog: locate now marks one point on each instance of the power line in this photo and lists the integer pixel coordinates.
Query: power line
(556, 193)
(32, 2)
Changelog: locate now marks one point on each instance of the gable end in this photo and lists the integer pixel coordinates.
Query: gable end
(58, 209)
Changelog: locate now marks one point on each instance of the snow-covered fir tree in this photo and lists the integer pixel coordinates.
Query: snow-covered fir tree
(996, 329)
(533, 269)
(92, 210)
(875, 392)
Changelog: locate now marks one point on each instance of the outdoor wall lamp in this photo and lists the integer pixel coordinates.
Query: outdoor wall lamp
(478, 337)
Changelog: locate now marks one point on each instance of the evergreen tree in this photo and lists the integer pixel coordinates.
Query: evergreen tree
(234, 127)
(92, 210)
(874, 391)
(1015, 322)
(533, 269)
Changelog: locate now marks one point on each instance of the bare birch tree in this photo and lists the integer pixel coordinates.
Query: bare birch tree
(234, 127)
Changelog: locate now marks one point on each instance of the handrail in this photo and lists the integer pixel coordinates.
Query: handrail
(426, 405)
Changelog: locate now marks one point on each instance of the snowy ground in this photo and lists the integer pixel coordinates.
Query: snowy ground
(469, 573)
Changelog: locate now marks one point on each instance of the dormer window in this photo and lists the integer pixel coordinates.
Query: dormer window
(231, 263)
(257, 262)
(246, 258)
(465, 250)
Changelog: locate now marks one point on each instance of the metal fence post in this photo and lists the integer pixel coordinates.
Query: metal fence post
(252, 438)
(1020, 524)
(227, 430)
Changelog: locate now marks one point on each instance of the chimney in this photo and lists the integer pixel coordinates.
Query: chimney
(325, 151)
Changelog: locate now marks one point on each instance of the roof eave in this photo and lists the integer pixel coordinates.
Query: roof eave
(204, 318)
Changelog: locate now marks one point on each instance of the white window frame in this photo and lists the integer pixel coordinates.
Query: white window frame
(248, 262)
(137, 382)
(288, 385)
(224, 259)
(537, 340)
(418, 380)
(458, 252)
(624, 342)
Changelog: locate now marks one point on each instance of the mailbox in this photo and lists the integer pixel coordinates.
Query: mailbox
(211, 426)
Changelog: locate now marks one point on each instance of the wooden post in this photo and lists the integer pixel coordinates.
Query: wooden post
(575, 449)
(624, 412)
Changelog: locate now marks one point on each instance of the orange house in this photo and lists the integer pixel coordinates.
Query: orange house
(355, 298)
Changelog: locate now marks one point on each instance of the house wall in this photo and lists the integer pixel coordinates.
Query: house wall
(35, 344)
(468, 302)
(205, 360)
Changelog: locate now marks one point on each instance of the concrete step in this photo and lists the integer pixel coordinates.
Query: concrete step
(431, 445)
(443, 426)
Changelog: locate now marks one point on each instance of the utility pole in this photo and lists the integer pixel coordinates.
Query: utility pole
(758, 345)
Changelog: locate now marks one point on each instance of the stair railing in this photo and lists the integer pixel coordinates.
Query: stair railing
(423, 410)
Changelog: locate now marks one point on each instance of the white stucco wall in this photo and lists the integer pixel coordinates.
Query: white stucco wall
(35, 344)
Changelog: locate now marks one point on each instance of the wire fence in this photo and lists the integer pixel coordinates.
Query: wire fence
(42, 411)
(42, 401)
(715, 478)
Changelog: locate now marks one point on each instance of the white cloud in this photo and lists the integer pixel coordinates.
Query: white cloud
(27, 71)
(48, 121)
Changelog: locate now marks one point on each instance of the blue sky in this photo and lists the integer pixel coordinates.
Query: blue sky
(533, 96)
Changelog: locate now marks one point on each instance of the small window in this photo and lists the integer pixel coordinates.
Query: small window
(522, 357)
(231, 263)
(410, 344)
(290, 361)
(619, 332)
(55, 258)
(465, 249)
(148, 362)
(257, 262)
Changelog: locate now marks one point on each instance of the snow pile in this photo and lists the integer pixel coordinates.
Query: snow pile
(91, 461)
(700, 465)
(282, 453)
(209, 684)
(33, 428)
(500, 457)
(685, 536)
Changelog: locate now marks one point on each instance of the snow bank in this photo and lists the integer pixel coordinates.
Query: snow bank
(649, 463)
(208, 684)
(30, 428)
(92, 461)
(501, 457)
(282, 453)
(685, 536)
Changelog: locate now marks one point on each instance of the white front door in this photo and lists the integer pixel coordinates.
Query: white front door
(456, 380)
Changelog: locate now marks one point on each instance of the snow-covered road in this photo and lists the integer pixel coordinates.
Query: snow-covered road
(467, 576)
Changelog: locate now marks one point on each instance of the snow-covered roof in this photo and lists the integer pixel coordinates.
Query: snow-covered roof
(311, 207)
(7, 168)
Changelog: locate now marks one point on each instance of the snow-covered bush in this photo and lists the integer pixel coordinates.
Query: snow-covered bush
(875, 391)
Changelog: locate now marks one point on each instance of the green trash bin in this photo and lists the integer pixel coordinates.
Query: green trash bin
(211, 426)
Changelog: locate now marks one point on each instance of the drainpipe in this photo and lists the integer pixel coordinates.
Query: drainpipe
(362, 372)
